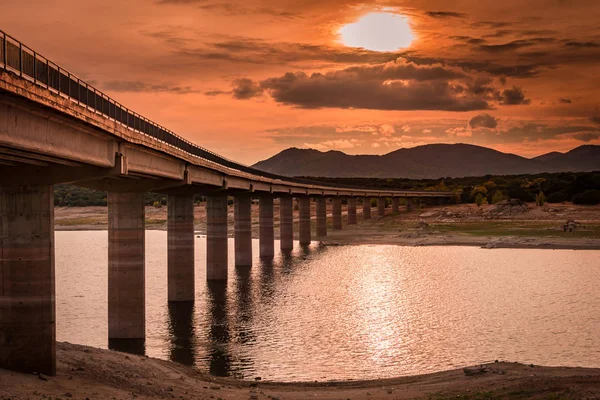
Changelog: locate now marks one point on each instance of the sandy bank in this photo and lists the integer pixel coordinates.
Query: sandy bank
(85, 372)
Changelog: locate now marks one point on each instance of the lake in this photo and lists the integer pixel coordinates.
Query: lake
(347, 312)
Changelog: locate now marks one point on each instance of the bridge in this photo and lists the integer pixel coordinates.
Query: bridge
(55, 128)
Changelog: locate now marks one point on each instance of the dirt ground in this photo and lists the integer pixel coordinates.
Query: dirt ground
(462, 224)
(90, 373)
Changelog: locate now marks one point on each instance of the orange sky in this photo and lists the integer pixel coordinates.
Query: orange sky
(249, 79)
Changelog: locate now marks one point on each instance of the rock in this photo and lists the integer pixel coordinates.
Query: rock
(422, 225)
(429, 214)
(506, 208)
(473, 371)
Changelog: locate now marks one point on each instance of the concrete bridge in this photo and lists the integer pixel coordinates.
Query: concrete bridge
(55, 128)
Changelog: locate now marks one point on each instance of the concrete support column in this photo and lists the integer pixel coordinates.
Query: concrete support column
(351, 210)
(126, 266)
(266, 234)
(216, 238)
(243, 230)
(321, 216)
(304, 225)
(27, 299)
(381, 206)
(367, 208)
(409, 204)
(337, 213)
(286, 222)
(395, 205)
(180, 240)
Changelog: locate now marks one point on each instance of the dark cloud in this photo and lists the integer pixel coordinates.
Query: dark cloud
(491, 24)
(246, 88)
(445, 14)
(468, 40)
(582, 44)
(515, 45)
(514, 96)
(483, 121)
(139, 87)
(595, 119)
(229, 8)
(587, 136)
(565, 101)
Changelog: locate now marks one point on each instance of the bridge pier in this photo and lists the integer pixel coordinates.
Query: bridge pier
(243, 230)
(409, 204)
(351, 210)
(126, 266)
(286, 223)
(321, 216)
(381, 206)
(216, 238)
(366, 208)
(180, 239)
(27, 297)
(395, 205)
(337, 213)
(266, 234)
(304, 220)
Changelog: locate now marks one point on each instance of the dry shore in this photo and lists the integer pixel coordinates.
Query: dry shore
(462, 225)
(90, 373)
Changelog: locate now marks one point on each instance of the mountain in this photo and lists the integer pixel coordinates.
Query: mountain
(427, 162)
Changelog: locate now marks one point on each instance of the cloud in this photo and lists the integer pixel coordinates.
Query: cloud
(565, 101)
(582, 44)
(141, 87)
(514, 45)
(587, 136)
(245, 88)
(595, 119)
(334, 144)
(514, 96)
(483, 121)
(459, 131)
(445, 14)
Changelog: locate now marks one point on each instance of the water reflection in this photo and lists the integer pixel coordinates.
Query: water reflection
(219, 336)
(182, 332)
(131, 346)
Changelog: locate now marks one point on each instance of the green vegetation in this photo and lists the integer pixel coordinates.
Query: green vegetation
(579, 187)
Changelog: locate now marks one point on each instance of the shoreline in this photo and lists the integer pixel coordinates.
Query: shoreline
(87, 372)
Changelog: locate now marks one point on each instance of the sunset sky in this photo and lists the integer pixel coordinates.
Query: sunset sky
(250, 78)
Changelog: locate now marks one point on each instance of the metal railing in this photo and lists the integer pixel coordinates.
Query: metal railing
(20, 59)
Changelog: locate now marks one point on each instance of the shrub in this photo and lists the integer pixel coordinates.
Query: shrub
(556, 197)
(589, 197)
(479, 199)
(540, 199)
(157, 204)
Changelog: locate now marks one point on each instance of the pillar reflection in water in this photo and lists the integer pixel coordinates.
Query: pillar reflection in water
(219, 336)
(182, 332)
(131, 346)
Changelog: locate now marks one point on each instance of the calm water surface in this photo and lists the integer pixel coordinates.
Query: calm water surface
(349, 312)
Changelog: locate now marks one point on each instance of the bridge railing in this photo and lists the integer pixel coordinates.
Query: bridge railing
(20, 59)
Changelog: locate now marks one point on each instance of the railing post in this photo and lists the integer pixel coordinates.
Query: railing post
(4, 47)
(20, 59)
(34, 68)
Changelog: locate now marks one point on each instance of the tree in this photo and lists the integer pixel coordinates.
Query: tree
(590, 197)
(479, 199)
(540, 199)
(497, 197)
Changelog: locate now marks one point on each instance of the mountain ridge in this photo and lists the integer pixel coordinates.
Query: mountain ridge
(430, 161)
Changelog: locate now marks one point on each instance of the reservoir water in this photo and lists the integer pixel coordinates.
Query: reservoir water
(348, 312)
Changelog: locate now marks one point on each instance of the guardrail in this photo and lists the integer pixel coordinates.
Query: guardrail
(20, 59)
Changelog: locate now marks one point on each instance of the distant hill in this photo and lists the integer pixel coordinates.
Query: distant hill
(427, 162)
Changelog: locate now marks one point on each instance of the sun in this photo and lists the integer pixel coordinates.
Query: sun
(378, 31)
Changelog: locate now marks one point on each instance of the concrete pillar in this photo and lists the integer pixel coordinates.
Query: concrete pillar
(216, 238)
(381, 206)
(286, 222)
(337, 213)
(351, 210)
(366, 208)
(266, 234)
(27, 300)
(395, 205)
(243, 230)
(180, 240)
(304, 225)
(409, 204)
(321, 216)
(126, 266)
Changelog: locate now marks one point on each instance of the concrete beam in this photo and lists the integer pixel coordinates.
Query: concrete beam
(321, 216)
(243, 230)
(216, 238)
(286, 222)
(126, 266)
(180, 240)
(27, 297)
(337, 213)
(266, 233)
(351, 210)
(304, 220)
